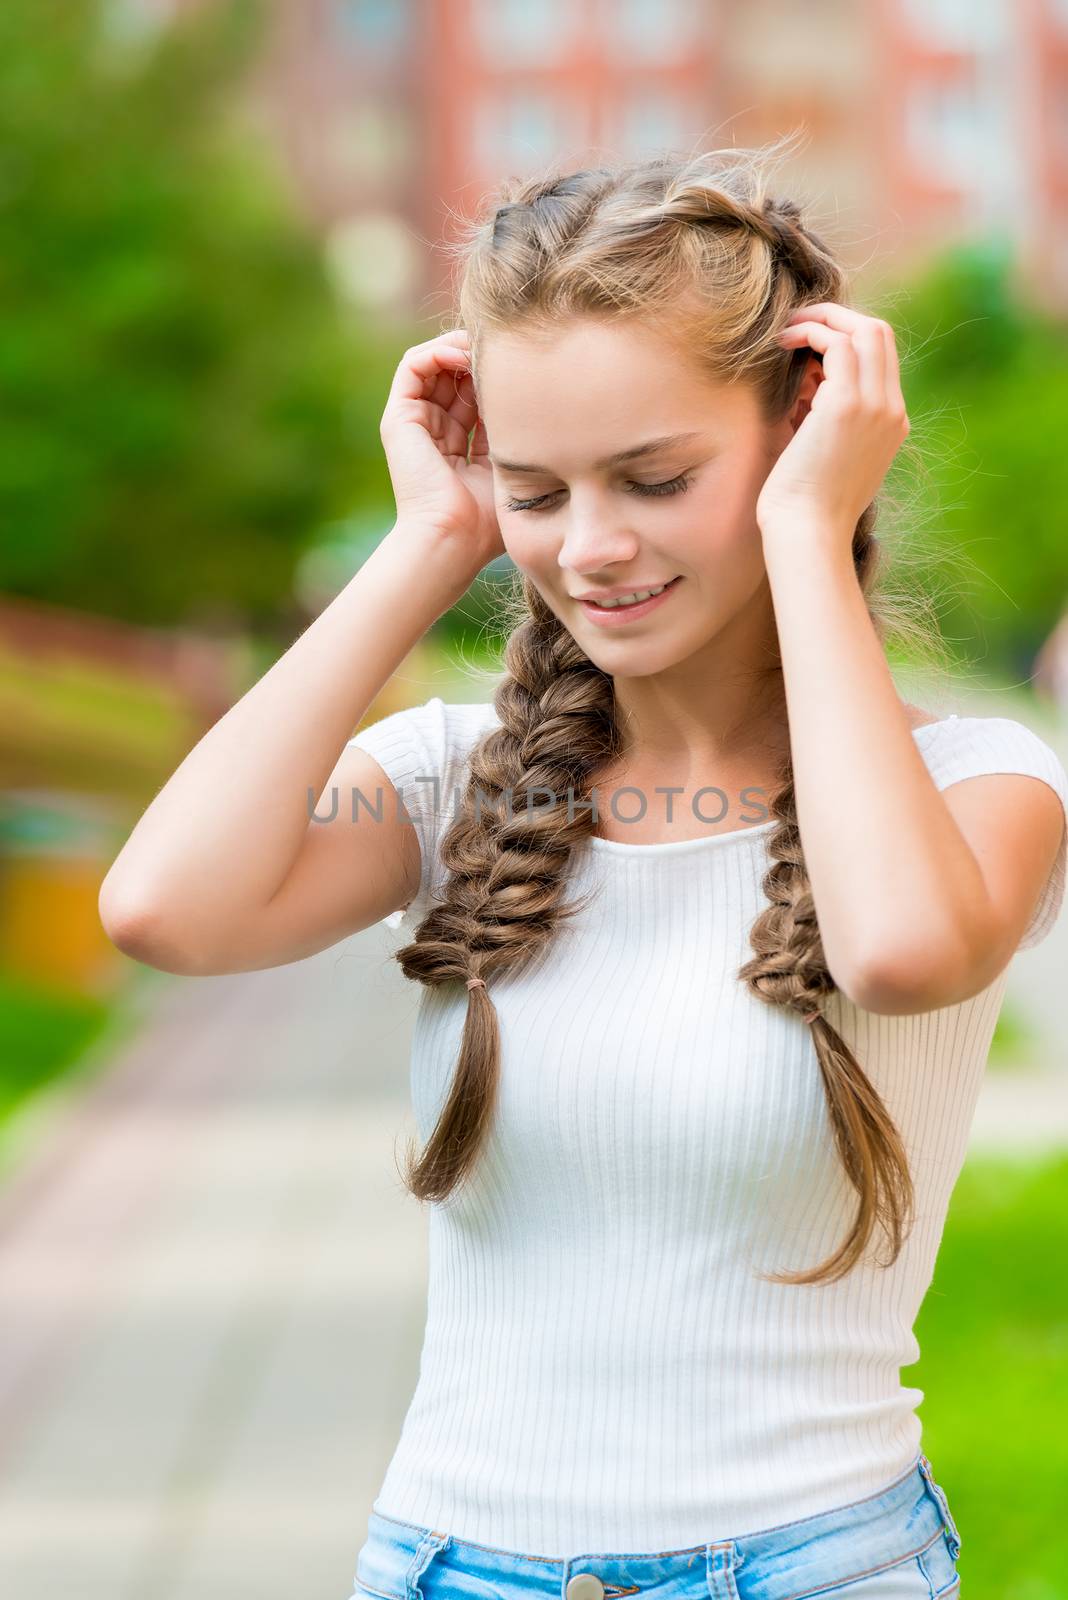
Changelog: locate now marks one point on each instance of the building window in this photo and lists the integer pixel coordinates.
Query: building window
(958, 24)
(525, 33)
(651, 121)
(941, 122)
(651, 32)
(381, 27)
(524, 128)
(960, 137)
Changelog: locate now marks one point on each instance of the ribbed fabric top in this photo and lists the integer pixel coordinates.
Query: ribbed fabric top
(601, 1368)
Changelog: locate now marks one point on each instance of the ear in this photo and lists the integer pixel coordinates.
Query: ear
(810, 382)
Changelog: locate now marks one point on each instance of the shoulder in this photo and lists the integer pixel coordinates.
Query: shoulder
(1030, 821)
(436, 732)
(423, 749)
(959, 747)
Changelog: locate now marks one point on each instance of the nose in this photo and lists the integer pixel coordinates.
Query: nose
(594, 536)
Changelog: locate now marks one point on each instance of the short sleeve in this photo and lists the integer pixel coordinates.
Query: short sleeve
(971, 747)
(422, 750)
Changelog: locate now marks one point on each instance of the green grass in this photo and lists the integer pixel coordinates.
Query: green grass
(994, 1370)
(54, 1044)
(43, 1032)
(1015, 1044)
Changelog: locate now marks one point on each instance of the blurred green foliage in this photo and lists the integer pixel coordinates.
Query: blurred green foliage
(985, 379)
(186, 408)
(993, 1330)
(176, 405)
(1016, 1044)
(43, 1032)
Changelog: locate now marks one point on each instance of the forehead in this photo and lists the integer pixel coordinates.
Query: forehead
(582, 390)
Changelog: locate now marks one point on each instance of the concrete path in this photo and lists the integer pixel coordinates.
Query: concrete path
(211, 1296)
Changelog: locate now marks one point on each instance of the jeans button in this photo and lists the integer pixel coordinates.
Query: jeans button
(585, 1586)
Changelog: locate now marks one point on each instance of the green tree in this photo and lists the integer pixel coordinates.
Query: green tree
(985, 378)
(180, 409)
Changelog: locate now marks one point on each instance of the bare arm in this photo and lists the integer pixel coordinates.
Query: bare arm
(226, 870)
(949, 878)
(921, 897)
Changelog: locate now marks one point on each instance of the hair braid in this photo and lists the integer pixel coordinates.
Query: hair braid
(508, 857)
(699, 243)
(789, 969)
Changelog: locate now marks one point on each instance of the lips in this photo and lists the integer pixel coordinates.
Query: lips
(620, 594)
(613, 617)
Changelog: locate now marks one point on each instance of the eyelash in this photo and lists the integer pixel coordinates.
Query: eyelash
(670, 486)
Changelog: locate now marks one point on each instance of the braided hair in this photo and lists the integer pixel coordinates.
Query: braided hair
(700, 240)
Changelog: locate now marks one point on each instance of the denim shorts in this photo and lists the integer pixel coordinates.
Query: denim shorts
(898, 1544)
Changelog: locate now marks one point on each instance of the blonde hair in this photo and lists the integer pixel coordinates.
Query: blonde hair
(698, 241)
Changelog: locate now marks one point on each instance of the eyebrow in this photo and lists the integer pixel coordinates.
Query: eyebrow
(614, 460)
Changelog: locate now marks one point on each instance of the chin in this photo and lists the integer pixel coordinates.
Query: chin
(630, 659)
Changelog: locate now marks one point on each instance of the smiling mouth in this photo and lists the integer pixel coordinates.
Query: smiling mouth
(622, 602)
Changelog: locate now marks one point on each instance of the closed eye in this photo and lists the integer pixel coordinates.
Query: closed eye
(541, 502)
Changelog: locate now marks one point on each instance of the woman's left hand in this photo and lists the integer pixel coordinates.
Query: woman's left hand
(839, 455)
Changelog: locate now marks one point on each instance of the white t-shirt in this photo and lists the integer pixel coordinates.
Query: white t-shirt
(601, 1368)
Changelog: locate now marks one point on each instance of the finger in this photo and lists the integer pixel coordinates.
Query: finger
(422, 365)
(882, 385)
(463, 405)
(895, 398)
(453, 406)
(437, 376)
(844, 318)
(863, 369)
(870, 345)
(444, 399)
(480, 443)
(877, 382)
(840, 365)
(448, 434)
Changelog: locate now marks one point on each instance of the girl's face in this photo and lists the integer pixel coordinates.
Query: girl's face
(618, 466)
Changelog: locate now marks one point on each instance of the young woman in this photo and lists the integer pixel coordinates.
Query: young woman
(713, 928)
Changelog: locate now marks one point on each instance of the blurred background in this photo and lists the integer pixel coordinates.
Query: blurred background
(221, 224)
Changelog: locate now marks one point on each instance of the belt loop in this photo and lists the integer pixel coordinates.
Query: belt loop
(721, 1565)
(425, 1551)
(943, 1504)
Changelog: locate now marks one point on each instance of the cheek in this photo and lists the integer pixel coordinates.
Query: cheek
(721, 548)
(523, 545)
(698, 534)
(725, 516)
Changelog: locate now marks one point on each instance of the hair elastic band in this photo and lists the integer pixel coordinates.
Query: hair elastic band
(472, 982)
(810, 1016)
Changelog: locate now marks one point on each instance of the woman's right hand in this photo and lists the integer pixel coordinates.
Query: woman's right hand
(429, 414)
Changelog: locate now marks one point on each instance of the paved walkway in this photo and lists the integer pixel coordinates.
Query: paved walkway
(212, 1284)
(211, 1295)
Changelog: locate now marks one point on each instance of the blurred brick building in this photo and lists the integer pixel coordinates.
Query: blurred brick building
(926, 120)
